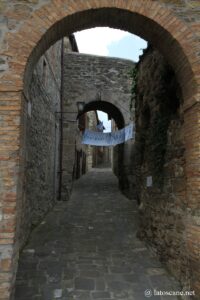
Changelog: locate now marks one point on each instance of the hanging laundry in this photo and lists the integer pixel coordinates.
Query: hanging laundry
(108, 139)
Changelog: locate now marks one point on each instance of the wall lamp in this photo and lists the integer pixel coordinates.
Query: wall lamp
(80, 106)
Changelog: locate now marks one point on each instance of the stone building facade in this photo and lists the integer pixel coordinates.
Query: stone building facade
(158, 166)
(102, 83)
(28, 29)
(92, 152)
(42, 140)
(42, 137)
(82, 155)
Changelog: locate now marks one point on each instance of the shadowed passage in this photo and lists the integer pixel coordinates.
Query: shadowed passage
(87, 249)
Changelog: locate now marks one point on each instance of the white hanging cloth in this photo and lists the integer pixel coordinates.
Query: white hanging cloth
(108, 139)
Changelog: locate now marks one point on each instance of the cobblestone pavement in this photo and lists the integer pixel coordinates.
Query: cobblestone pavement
(87, 249)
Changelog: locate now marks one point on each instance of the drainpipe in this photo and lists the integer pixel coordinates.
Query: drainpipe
(61, 122)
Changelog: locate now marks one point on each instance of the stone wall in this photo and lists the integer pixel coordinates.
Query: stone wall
(42, 140)
(90, 78)
(92, 120)
(81, 155)
(43, 136)
(94, 78)
(76, 158)
(159, 163)
(28, 28)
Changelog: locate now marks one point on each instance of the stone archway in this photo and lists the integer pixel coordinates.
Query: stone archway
(31, 31)
(106, 88)
(108, 108)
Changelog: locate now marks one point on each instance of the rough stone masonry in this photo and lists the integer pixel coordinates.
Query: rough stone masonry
(28, 29)
(85, 78)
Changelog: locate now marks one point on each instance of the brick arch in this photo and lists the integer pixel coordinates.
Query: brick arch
(149, 19)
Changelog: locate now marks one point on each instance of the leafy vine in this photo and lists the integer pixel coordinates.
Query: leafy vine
(133, 75)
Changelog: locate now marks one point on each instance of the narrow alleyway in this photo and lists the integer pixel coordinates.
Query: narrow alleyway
(87, 249)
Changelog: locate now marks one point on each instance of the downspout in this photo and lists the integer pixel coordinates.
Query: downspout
(61, 121)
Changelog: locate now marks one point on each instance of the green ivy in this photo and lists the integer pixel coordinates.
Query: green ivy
(159, 143)
(133, 75)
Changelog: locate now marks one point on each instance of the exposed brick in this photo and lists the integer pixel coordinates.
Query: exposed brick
(180, 46)
(5, 264)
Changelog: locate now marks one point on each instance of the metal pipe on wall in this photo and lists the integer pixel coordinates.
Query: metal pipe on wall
(61, 122)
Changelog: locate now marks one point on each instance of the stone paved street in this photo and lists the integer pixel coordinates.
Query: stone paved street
(87, 249)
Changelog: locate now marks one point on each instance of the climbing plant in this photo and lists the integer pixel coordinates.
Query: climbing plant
(158, 139)
(133, 75)
(168, 108)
